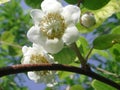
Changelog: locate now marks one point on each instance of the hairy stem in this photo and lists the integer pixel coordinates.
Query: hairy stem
(38, 67)
(80, 57)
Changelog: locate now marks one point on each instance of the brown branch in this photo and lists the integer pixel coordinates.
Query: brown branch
(38, 67)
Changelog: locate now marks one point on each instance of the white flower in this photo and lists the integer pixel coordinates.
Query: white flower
(54, 25)
(36, 55)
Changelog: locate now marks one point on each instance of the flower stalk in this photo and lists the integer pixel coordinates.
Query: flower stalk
(80, 57)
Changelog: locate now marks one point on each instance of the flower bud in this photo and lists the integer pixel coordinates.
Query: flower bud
(87, 19)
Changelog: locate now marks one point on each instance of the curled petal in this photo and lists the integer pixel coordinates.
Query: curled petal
(24, 49)
(33, 76)
(71, 14)
(53, 46)
(36, 15)
(71, 35)
(35, 36)
(26, 60)
(26, 57)
(50, 6)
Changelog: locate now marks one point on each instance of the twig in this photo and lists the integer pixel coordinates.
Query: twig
(80, 57)
(10, 44)
(89, 54)
(38, 67)
(106, 72)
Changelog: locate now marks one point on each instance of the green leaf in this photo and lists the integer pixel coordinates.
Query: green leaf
(33, 4)
(63, 75)
(72, 1)
(118, 15)
(8, 37)
(14, 51)
(76, 87)
(100, 15)
(116, 30)
(101, 53)
(95, 4)
(115, 52)
(83, 45)
(66, 56)
(106, 41)
(3, 1)
(97, 85)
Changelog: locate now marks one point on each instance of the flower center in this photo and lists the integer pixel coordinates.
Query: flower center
(39, 59)
(53, 25)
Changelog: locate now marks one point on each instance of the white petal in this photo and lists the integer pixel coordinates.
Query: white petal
(24, 49)
(36, 15)
(35, 36)
(39, 47)
(71, 35)
(50, 6)
(53, 46)
(71, 14)
(49, 58)
(33, 76)
(26, 60)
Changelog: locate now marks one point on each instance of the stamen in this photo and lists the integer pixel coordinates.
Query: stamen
(39, 59)
(53, 25)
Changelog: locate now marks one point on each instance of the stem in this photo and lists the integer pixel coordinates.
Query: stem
(80, 57)
(10, 44)
(106, 72)
(79, 1)
(38, 67)
(89, 53)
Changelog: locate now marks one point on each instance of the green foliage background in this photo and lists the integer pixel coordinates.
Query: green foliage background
(104, 37)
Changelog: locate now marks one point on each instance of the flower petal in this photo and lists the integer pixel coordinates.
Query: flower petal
(26, 60)
(53, 46)
(24, 49)
(36, 15)
(50, 6)
(39, 48)
(48, 79)
(71, 14)
(35, 36)
(33, 76)
(71, 35)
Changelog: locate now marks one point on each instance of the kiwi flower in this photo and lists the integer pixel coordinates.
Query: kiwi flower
(37, 55)
(54, 25)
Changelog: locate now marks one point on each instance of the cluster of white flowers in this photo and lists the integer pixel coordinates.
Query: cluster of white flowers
(54, 26)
